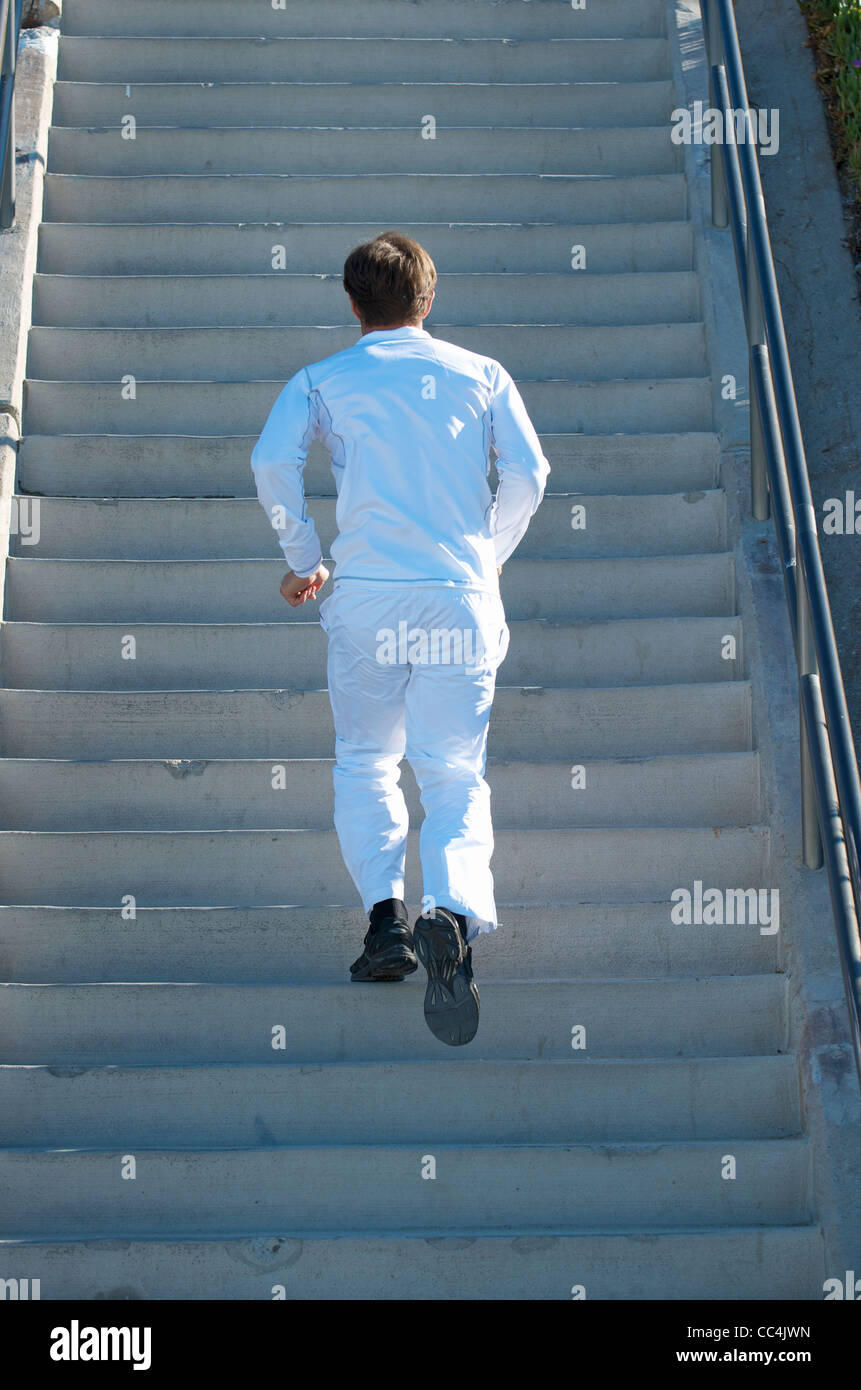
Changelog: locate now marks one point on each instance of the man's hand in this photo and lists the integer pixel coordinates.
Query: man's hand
(297, 590)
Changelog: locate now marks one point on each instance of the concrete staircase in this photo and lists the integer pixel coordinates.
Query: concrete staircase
(300, 1168)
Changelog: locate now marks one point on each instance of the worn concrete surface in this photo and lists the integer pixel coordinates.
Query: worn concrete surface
(34, 84)
(37, 12)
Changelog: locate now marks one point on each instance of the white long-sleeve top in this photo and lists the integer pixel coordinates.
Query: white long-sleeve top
(409, 421)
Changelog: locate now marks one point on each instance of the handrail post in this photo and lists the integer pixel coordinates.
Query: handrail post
(778, 482)
(756, 337)
(811, 834)
(735, 189)
(717, 167)
(838, 863)
(759, 503)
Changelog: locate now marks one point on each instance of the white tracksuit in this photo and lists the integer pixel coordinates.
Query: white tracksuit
(415, 623)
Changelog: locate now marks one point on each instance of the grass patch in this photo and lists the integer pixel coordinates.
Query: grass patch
(835, 32)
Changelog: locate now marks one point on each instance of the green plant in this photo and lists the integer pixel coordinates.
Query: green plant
(835, 30)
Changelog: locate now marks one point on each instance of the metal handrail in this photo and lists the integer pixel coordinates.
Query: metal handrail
(830, 783)
(10, 25)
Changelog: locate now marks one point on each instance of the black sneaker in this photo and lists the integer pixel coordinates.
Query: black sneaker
(451, 998)
(388, 953)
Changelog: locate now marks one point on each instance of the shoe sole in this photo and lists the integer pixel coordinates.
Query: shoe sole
(392, 965)
(451, 998)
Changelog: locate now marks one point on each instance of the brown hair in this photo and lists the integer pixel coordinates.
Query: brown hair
(390, 280)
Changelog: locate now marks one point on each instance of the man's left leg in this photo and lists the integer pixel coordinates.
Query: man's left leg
(367, 698)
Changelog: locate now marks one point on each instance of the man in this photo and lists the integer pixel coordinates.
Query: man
(415, 624)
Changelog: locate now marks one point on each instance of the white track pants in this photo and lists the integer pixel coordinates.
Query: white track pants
(412, 672)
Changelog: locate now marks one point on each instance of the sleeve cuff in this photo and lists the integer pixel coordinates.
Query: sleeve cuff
(301, 565)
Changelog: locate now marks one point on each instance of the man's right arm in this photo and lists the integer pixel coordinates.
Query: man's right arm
(277, 463)
(521, 466)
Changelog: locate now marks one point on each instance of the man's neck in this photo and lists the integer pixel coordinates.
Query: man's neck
(387, 327)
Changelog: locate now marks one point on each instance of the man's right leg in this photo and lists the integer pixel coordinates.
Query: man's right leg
(371, 818)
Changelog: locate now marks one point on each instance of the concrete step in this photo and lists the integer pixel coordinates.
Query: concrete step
(624, 721)
(586, 352)
(202, 656)
(465, 306)
(390, 198)
(445, 1101)
(246, 591)
(88, 1025)
(373, 149)
(135, 248)
(326, 1188)
(252, 104)
(706, 789)
(213, 528)
(198, 407)
(361, 59)
(397, 18)
(315, 945)
(766, 1262)
(162, 465)
(173, 868)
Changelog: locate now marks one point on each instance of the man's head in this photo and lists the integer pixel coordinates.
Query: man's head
(390, 281)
